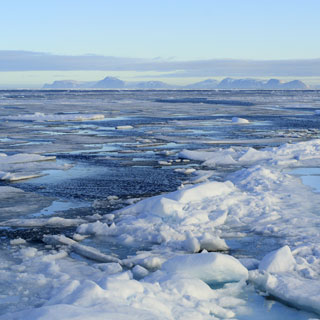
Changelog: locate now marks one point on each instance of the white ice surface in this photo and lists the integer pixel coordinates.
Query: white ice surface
(124, 127)
(38, 116)
(280, 260)
(239, 120)
(53, 285)
(23, 158)
(81, 249)
(50, 222)
(294, 290)
(296, 154)
(177, 219)
(23, 166)
(15, 203)
(262, 198)
(209, 267)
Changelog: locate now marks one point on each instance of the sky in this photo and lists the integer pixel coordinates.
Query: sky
(43, 41)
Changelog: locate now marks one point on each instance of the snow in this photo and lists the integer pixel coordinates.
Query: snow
(186, 171)
(18, 241)
(170, 256)
(110, 268)
(212, 243)
(295, 154)
(280, 260)
(177, 220)
(239, 120)
(139, 272)
(78, 291)
(128, 127)
(208, 267)
(189, 219)
(298, 292)
(196, 219)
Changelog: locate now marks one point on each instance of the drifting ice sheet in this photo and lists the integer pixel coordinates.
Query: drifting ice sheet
(38, 116)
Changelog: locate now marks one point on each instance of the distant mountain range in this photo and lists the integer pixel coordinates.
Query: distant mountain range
(227, 83)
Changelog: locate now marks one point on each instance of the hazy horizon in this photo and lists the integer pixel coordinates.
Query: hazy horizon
(177, 42)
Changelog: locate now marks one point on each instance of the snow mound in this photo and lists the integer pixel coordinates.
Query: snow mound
(280, 260)
(17, 242)
(239, 120)
(176, 219)
(201, 191)
(295, 154)
(209, 267)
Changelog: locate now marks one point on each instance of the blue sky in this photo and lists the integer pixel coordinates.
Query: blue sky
(155, 31)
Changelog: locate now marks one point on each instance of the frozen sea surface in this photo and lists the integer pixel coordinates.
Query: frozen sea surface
(159, 204)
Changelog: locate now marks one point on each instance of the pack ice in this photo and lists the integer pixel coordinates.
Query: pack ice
(39, 116)
(186, 270)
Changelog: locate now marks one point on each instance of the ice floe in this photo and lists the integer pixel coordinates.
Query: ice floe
(175, 277)
(239, 120)
(50, 222)
(83, 250)
(262, 197)
(287, 155)
(209, 267)
(280, 260)
(28, 202)
(23, 166)
(128, 127)
(177, 219)
(39, 116)
(289, 288)
(23, 158)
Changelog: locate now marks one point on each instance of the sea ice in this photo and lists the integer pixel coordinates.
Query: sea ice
(124, 127)
(23, 166)
(209, 267)
(280, 260)
(39, 116)
(155, 234)
(23, 158)
(18, 241)
(27, 202)
(239, 120)
(83, 250)
(295, 154)
(50, 222)
(296, 291)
